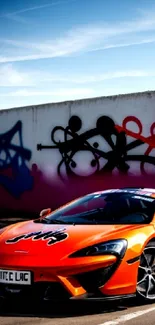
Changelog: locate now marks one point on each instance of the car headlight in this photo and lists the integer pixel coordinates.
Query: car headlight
(113, 247)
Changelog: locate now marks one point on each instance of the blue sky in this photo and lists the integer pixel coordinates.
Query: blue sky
(57, 50)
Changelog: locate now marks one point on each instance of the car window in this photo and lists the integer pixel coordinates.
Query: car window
(104, 209)
(134, 218)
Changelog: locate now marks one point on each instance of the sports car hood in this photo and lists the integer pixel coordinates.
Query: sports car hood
(58, 240)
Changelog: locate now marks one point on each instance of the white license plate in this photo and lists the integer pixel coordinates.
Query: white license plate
(15, 277)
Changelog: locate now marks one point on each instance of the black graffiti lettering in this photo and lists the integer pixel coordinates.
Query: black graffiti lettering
(117, 157)
(51, 236)
(32, 234)
(15, 239)
(52, 240)
(41, 235)
(53, 233)
(57, 238)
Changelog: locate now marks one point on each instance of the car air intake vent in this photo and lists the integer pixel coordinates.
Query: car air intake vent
(55, 291)
(92, 280)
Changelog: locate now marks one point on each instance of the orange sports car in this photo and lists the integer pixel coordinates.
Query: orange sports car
(100, 246)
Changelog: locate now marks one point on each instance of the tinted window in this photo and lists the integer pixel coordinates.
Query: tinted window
(113, 208)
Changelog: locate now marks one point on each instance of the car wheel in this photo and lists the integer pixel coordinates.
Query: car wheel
(146, 274)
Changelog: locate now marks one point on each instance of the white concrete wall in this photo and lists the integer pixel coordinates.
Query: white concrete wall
(39, 121)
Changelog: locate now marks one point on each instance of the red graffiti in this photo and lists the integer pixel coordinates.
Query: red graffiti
(150, 140)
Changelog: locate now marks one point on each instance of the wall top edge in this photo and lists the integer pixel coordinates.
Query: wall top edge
(149, 94)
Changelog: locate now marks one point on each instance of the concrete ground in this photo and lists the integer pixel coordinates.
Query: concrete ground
(80, 314)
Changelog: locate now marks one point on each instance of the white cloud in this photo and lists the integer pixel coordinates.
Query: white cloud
(10, 77)
(17, 19)
(83, 79)
(15, 15)
(119, 45)
(64, 92)
(86, 38)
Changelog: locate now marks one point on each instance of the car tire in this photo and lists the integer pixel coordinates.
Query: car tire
(146, 275)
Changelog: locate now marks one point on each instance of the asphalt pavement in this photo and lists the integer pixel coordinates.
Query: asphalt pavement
(79, 314)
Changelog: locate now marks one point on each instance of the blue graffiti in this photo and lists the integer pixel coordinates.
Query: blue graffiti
(13, 159)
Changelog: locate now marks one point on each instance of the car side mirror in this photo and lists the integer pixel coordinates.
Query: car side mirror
(45, 212)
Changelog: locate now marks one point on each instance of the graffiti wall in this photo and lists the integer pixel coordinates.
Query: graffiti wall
(52, 153)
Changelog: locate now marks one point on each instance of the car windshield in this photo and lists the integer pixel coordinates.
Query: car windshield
(112, 208)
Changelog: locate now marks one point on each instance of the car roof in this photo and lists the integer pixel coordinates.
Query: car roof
(150, 192)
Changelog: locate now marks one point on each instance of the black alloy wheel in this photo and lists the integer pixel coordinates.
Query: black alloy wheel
(146, 274)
